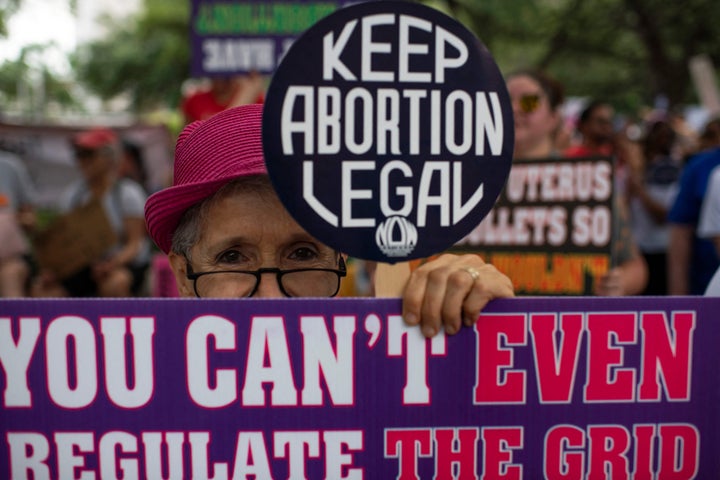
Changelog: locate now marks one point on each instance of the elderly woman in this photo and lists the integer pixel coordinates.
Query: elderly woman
(227, 234)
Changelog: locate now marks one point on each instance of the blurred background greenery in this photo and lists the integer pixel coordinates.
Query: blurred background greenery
(630, 52)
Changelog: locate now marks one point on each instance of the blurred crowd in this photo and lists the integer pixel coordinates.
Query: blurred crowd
(667, 212)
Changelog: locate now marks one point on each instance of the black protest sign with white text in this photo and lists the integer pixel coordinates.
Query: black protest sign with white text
(388, 131)
(553, 227)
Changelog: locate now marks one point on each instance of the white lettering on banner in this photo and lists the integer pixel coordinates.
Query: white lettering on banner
(28, 454)
(112, 467)
(322, 360)
(222, 331)
(116, 376)
(15, 359)
(268, 340)
(448, 199)
(379, 126)
(199, 443)
(70, 448)
(403, 338)
(161, 454)
(230, 55)
(78, 332)
(293, 445)
(251, 457)
(338, 459)
(154, 458)
(66, 334)
(336, 363)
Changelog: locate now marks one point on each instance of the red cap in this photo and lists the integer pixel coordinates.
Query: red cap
(94, 138)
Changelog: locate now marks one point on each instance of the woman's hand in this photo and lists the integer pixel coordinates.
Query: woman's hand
(450, 291)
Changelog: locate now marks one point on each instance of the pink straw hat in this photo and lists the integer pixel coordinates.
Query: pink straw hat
(208, 154)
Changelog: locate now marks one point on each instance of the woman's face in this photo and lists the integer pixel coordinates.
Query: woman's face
(94, 164)
(535, 120)
(249, 230)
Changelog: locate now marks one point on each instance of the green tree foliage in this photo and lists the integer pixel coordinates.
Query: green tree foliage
(7, 8)
(31, 86)
(146, 58)
(627, 51)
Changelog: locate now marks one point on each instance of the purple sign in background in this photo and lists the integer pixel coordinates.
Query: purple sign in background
(230, 37)
(555, 387)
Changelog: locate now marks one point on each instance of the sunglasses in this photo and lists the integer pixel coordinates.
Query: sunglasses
(529, 102)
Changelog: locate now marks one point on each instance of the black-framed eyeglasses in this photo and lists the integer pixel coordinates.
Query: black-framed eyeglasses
(298, 282)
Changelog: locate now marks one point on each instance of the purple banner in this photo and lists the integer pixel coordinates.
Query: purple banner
(230, 37)
(569, 388)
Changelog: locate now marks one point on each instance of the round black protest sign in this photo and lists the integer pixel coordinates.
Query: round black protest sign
(388, 131)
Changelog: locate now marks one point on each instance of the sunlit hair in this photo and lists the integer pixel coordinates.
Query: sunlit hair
(553, 89)
(192, 221)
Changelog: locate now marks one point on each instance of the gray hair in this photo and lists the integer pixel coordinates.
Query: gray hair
(193, 221)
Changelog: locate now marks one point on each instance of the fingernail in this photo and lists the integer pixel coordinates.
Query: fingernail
(411, 319)
(428, 331)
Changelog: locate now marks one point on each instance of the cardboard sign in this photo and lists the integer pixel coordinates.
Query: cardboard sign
(294, 388)
(388, 131)
(551, 230)
(230, 37)
(75, 240)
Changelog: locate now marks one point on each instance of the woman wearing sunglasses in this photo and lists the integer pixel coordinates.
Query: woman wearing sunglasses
(536, 100)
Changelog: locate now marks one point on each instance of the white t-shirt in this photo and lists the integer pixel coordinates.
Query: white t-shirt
(709, 225)
(713, 288)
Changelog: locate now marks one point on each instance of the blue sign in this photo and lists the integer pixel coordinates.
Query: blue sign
(388, 131)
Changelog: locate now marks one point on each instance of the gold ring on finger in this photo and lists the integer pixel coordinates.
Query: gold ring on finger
(472, 272)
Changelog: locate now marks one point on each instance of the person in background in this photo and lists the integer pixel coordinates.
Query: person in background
(223, 93)
(227, 234)
(709, 226)
(132, 165)
(597, 135)
(692, 260)
(121, 271)
(536, 101)
(17, 216)
(709, 138)
(652, 188)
